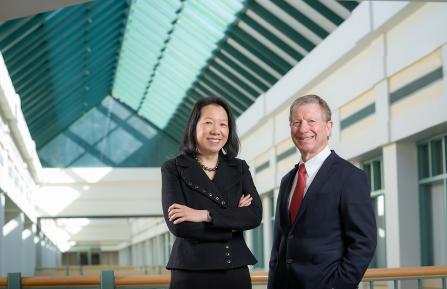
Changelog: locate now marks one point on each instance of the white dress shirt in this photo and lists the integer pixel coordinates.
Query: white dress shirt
(312, 167)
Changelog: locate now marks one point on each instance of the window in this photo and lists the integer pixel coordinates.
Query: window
(96, 260)
(432, 163)
(374, 172)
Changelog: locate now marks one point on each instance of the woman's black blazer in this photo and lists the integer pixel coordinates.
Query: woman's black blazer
(216, 245)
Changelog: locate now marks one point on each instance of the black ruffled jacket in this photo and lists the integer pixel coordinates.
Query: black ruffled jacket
(216, 245)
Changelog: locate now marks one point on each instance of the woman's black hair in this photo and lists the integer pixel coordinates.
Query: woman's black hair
(189, 143)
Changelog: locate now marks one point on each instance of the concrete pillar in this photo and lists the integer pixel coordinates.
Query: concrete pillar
(2, 221)
(401, 204)
(381, 91)
(267, 215)
(37, 242)
(28, 250)
(12, 244)
(334, 140)
(124, 256)
(48, 253)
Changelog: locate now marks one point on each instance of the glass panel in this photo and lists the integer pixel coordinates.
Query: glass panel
(379, 260)
(436, 157)
(439, 224)
(377, 172)
(426, 228)
(367, 169)
(433, 224)
(423, 161)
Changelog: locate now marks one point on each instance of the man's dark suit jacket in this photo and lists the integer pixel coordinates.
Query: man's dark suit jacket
(334, 236)
(216, 245)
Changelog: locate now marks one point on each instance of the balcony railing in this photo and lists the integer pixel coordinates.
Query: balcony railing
(433, 277)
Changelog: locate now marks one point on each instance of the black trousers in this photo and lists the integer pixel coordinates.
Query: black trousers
(238, 278)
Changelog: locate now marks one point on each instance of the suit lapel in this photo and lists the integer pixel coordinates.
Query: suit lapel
(322, 175)
(284, 202)
(195, 178)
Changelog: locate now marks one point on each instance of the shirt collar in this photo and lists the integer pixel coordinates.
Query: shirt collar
(314, 164)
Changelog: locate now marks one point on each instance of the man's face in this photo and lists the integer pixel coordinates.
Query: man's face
(309, 129)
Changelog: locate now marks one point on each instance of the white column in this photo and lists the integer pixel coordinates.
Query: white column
(2, 221)
(28, 251)
(267, 215)
(444, 68)
(334, 140)
(401, 204)
(381, 91)
(12, 244)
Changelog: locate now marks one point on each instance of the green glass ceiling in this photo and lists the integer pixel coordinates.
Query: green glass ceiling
(166, 40)
(110, 134)
(155, 58)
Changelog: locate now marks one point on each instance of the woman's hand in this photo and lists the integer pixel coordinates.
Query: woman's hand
(245, 201)
(181, 213)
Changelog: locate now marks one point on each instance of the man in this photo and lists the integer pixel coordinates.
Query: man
(325, 231)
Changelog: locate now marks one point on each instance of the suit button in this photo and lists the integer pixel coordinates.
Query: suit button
(227, 247)
(210, 194)
(228, 261)
(289, 261)
(227, 254)
(196, 187)
(223, 203)
(290, 237)
(217, 198)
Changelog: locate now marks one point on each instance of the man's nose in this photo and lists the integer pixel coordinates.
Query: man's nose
(304, 126)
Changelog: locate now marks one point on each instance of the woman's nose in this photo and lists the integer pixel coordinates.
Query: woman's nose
(215, 129)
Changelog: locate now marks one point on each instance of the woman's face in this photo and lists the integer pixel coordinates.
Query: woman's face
(212, 129)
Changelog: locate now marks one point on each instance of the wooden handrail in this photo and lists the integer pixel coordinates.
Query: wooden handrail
(256, 277)
(402, 273)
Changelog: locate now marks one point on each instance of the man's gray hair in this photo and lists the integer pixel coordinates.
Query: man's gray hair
(308, 99)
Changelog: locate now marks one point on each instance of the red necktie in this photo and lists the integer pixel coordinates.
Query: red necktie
(298, 193)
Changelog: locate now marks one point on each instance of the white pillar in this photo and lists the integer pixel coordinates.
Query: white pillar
(334, 140)
(28, 251)
(2, 220)
(444, 67)
(12, 244)
(381, 91)
(401, 204)
(267, 215)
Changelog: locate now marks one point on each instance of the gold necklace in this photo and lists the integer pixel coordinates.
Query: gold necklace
(205, 168)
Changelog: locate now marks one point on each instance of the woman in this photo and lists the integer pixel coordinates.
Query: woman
(209, 199)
